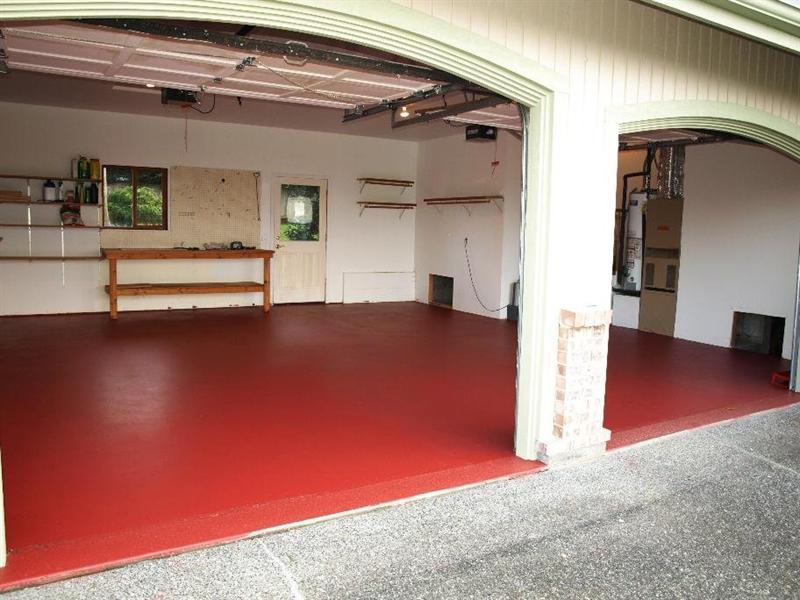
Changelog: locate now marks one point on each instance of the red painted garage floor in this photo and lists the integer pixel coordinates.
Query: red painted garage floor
(163, 431)
(657, 385)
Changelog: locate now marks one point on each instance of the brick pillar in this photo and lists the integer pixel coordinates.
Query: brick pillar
(578, 430)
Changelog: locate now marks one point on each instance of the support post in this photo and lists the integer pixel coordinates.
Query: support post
(266, 284)
(112, 287)
(577, 428)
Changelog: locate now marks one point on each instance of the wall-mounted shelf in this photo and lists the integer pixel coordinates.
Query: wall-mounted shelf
(58, 258)
(401, 183)
(47, 203)
(401, 206)
(57, 178)
(33, 196)
(464, 201)
(35, 226)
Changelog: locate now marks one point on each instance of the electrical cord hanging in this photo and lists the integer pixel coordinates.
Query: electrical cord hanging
(472, 281)
(210, 110)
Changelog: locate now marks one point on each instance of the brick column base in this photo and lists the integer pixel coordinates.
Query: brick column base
(578, 430)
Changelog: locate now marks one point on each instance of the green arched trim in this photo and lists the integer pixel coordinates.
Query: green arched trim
(741, 120)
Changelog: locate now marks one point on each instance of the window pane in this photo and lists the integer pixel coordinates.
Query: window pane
(149, 198)
(119, 196)
(299, 213)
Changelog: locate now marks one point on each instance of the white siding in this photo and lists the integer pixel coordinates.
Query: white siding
(621, 52)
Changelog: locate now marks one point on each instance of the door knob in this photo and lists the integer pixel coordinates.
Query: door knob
(278, 246)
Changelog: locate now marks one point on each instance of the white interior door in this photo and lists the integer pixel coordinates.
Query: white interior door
(300, 219)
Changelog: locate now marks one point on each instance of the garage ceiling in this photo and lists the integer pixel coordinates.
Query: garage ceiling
(138, 60)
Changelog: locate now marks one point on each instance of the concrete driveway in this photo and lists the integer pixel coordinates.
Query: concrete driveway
(712, 513)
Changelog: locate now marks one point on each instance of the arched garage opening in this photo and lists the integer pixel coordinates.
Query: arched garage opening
(704, 284)
(430, 40)
(122, 176)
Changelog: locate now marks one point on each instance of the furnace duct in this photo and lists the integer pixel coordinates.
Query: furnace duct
(670, 164)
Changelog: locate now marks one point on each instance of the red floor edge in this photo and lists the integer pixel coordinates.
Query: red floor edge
(166, 431)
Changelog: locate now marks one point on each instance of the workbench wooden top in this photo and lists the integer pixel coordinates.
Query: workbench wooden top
(178, 253)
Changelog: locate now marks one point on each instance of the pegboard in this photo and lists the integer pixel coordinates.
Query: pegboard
(205, 205)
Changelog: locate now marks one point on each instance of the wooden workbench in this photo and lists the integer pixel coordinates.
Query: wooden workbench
(115, 289)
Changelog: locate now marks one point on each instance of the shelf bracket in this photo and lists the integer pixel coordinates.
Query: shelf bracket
(361, 212)
(466, 208)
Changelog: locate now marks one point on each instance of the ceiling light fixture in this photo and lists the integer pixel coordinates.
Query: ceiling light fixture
(404, 112)
(150, 85)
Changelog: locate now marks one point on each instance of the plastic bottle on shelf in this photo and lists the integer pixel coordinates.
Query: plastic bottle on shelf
(94, 169)
(83, 168)
(49, 191)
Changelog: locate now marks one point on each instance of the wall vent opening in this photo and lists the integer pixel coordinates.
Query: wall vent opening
(440, 290)
(758, 333)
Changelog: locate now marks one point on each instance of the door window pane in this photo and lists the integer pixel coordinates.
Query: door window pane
(119, 196)
(149, 197)
(299, 213)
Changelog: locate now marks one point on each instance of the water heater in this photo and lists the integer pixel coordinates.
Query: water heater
(634, 234)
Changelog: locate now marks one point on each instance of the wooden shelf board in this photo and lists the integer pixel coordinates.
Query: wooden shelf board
(57, 178)
(37, 258)
(168, 289)
(180, 253)
(463, 200)
(395, 205)
(390, 182)
(48, 203)
(37, 226)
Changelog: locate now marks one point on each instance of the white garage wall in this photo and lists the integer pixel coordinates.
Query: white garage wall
(741, 233)
(46, 138)
(453, 167)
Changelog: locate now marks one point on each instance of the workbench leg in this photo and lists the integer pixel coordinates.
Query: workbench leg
(266, 285)
(112, 287)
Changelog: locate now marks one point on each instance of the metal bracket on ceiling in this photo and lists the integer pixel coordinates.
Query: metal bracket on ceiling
(449, 111)
(360, 111)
